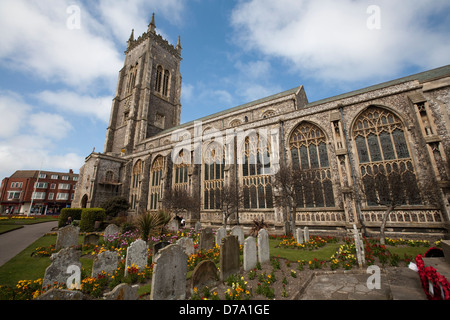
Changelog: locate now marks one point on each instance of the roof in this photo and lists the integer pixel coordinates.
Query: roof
(421, 77)
(23, 174)
(243, 106)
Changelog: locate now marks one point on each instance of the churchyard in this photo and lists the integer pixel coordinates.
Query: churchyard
(191, 263)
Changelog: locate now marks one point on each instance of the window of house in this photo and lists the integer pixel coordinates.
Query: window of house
(385, 164)
(51, 196)
(55, 177)
(38, 195)
(14, 195)
(62, 196)
(65, 177)
(165, 88)
(309, 154)
(42, 176)
(64, 186)
(41, 185)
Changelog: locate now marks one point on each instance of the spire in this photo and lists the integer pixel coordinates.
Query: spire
(131, 36)
(179, 45)
(152, 25)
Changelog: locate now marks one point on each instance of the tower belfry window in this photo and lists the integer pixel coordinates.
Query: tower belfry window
(166, 83)
(159, 72)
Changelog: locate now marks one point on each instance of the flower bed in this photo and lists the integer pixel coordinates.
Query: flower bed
(434, 284)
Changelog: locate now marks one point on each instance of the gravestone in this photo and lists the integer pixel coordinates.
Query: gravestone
(299, 235)
(137, 254)
(106, 261)
(229, 257)
(221, 233)
(206, 239)
(111, 230)
(58, 269)
(61, 295)
(158, 246)
(173, 225)
(169, 274)
(306, 234)
(188, 245)
(198, 226)
(263, 246)
(123, 292)
(250, 254)
(91, 239)
(237, 231)
(204, 274)
(67, 237)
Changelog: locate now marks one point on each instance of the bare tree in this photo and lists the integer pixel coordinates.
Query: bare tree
(230, 199)
(180, 201)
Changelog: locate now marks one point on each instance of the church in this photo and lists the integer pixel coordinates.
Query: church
(352, 151)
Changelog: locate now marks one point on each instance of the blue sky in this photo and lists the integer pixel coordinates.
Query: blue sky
(58, 73)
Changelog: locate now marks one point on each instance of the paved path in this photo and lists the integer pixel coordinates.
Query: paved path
(14, 242)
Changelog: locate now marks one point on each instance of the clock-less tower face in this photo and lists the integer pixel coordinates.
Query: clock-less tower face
(148, 92)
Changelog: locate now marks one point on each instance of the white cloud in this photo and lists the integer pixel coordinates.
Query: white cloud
(329, 39)
(28, 138)
(39, 42)
(74, 103)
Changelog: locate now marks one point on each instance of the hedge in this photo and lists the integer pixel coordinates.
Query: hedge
(75, 213)
(89, 216)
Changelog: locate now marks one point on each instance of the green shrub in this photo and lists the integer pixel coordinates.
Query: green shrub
(75, 213)
(89, 216)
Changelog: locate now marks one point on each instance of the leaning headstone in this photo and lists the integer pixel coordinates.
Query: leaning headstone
(306, 234)
(158, 246)
(229, 257)
(204, 274)
(221, 233)
(60, 294)
(67, 237)
(188, 245)
(250, 254)
(111, 230)
(58, 269)
(263, 246)
(106, 261)
(169, 274)
(137, 254)
(91, 239)
(299, 235)
(206, 239)
(237, 231)
(123, 292)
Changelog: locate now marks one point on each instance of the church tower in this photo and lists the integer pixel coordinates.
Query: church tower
(147, 99)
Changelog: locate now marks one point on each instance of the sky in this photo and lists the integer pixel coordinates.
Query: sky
(60, 59)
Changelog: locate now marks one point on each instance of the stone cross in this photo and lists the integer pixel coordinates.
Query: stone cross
(169, 274)
(359, 245)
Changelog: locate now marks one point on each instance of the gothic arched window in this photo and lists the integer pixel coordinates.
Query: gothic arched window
(309, 154)
(159, 79)
(180, 171)
(213, 174)
(165, 87)
(156, 173)
(136, 184)
(256, 173)
(385, 163)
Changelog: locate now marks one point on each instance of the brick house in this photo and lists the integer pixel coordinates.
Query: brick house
(50, 192)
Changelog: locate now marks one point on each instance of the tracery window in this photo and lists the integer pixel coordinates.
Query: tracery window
(256, 173)
(158, 83)
(162, 81)
(309, 154)
(156, 173)
(385, 163)
(180, 171)
(213, 175)
(165, 89)
(136, 184)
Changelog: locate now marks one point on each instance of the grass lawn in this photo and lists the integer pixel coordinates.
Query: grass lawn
(8, 227)
(25, 267)
(294, 255)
